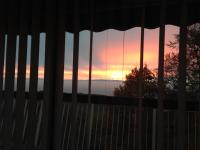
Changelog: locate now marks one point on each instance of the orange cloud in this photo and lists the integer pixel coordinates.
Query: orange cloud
(114, 61)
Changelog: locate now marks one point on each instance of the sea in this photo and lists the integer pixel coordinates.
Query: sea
(99, 87)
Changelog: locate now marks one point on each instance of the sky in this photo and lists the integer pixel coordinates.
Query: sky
(115, 53)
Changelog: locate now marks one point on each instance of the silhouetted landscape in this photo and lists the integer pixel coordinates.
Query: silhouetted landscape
(99, 75)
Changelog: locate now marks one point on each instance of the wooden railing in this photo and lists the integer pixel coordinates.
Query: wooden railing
(113, 123)
(53, 121)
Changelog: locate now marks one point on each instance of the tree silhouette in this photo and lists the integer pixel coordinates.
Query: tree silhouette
(171, 71)
(193, 61)
(130, 86)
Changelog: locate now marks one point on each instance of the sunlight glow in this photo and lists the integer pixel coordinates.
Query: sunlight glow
(112, 61)
(117, 75)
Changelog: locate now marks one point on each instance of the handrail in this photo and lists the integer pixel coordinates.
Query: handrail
(169, 103)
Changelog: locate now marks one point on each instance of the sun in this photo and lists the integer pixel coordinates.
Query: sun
(117, 75)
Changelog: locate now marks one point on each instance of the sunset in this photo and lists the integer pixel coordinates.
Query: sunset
(99, 75)
(113, 59)
(115, 54)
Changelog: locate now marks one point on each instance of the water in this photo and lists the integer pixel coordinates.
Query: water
(100, 87)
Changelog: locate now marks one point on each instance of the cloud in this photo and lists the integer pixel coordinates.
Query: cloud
(110, 59)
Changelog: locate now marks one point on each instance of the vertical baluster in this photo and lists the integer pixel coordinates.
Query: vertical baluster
(123, 126)
(160, 121)
(73, 111)
(90, 106)
(96, 127)
(38, 126)
(10, 73)
(174, 131)
(80, 125)
(140, 107)
(85, 127)
(117, 126)
(187, 130)
(85, 111)
(195, 131)
(59, 74)
(25, 125)
(168, 130)
(68, 138)
(53, 78)
(107, 127)
(31, 122)
(182, 78)
(21, 80)
(66, 124)
(2, 53)
(154, 129)
(134, 129)
(197, 119)
(101, 130)
(129, 127)
(112, 128)
(147, 128)
(2, 59)
(63, 125)
(63, 112)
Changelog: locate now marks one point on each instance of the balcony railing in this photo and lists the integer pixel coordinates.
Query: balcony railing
(52, 120)
(113, 123)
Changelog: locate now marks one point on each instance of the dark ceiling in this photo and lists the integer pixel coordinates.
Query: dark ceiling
(115, 14)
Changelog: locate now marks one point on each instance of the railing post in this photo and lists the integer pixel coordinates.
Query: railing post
(21, 77)
(154, 129)
(140, 113)
(160, 120)
(197, 145)
(53, 76)
(2, 57)
(73, 109)
(34, 63)
(10, 74)
(59, 74)
(90, 105)
(73, 112)
(182, 77)
(2, 53)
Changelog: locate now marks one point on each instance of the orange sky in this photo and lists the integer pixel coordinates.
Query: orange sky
(108, 52)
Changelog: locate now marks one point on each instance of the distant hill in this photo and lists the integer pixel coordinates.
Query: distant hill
(100, 87)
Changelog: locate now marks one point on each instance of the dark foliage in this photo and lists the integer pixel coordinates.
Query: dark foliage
(130, 86)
